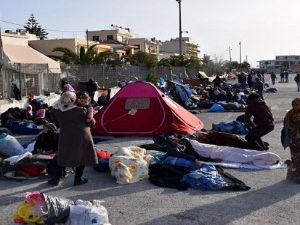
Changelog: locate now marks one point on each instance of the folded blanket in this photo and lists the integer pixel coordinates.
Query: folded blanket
(129, 165)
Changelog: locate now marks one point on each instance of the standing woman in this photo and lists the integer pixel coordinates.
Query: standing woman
(292, 120)
(75, 146)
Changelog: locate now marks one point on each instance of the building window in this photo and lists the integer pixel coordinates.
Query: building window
(138, 47)
(110, 37)
(95, 38)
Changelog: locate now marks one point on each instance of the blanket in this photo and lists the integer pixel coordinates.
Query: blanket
(248, 166)
(129, 164)
(232, 154)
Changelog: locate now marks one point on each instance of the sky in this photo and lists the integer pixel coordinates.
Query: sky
(266, 28)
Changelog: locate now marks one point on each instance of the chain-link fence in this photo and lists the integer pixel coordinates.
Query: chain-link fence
(29, 78)
(39, 79)
(110, 76)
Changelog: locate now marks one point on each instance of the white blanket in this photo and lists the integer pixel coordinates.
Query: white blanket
(237, 155)
(129, 165)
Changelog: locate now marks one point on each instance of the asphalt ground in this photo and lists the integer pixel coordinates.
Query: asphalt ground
(271, 199)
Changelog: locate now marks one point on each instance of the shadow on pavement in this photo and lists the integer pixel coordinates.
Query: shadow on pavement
(228, 210)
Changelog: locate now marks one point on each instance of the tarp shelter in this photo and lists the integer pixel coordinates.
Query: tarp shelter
(141, 109)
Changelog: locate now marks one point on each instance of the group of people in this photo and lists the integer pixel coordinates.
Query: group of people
(73, 115)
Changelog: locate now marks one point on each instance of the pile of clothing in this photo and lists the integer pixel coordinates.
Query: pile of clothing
(183, 162)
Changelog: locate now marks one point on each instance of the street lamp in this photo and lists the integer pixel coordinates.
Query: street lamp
(180, 31)
(240, 43)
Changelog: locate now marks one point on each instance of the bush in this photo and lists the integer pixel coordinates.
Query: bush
(152, 78)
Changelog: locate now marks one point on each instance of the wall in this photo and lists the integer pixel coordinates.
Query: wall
(46, 46)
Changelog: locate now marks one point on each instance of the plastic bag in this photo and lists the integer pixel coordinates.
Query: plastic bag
(58, 209)
(32, 209)
(86, 213)
(10, 146)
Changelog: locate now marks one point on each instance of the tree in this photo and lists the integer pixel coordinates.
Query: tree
(33, 27)
(143, 59)
(108, 58)
(85, 57)
(213, 67)
(181, 61)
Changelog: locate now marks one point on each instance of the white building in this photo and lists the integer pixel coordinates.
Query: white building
(281, 62)
(116, 34)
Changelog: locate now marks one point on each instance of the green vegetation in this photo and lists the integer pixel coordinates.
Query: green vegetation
(33, 27)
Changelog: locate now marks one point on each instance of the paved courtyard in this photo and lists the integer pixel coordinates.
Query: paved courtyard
(271, 199)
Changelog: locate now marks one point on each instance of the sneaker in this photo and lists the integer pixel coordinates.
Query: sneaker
(80, 182)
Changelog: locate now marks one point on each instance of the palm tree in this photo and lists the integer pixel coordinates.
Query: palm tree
(85, 57)
(107, 58)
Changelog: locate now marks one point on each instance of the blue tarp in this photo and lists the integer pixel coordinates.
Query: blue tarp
(216, 108)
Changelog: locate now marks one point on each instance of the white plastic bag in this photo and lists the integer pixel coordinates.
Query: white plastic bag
(86, 214)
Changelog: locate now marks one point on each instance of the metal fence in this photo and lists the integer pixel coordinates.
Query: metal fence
(110, 76)
(29, 78)
(37, 78)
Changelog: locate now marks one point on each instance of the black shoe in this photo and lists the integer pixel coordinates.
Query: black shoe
(80, 181)
(53, 182)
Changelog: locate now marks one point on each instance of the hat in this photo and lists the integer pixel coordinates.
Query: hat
(66, 101)
(68, 87)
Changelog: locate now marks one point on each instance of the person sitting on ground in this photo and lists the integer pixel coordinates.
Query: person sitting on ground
(47, 142)
(262, 124)
(221, 96)
(102, 100)
(217, 81)
(27, 114)
(292, 120)
(229, 95)
(239, 96)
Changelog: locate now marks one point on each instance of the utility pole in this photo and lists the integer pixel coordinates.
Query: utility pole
(87, 38)
(240, 43)
(180, 29)
(229, 50)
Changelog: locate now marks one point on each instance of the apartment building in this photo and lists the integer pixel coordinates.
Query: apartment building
(116, 34)
(189, 48)
(145, 45)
